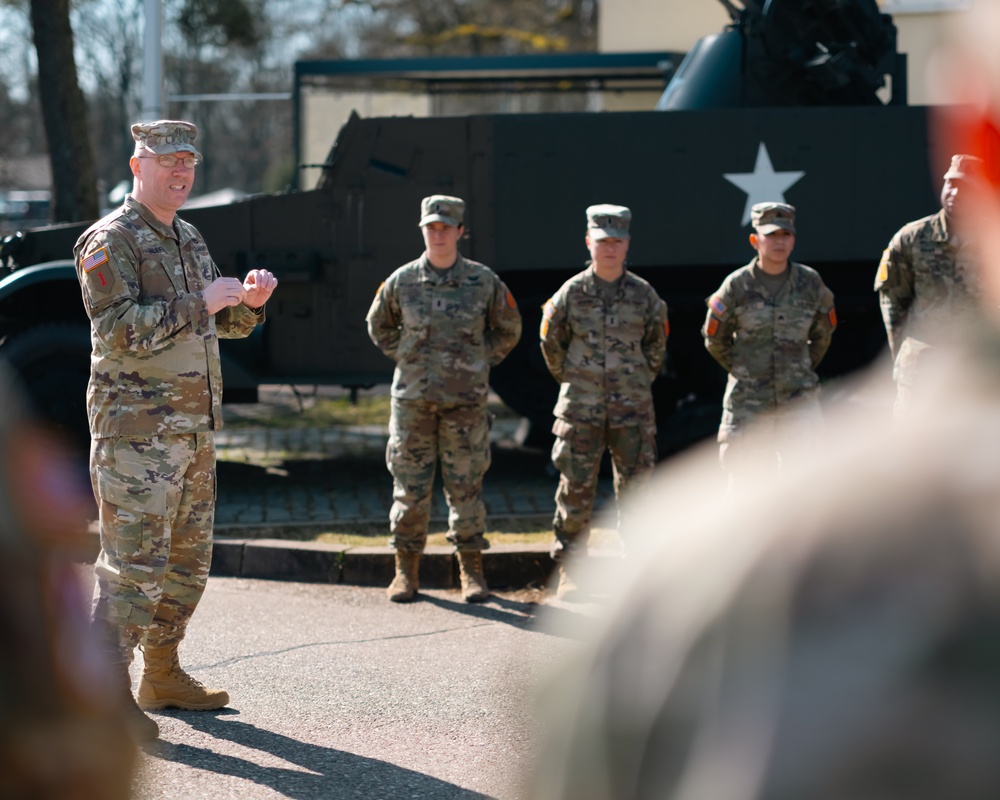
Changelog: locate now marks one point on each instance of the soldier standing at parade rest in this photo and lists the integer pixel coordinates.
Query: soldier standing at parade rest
(926, 283)
(158, 306)
(604, 338)
(769, 325)
(445, 320)
(793, 644)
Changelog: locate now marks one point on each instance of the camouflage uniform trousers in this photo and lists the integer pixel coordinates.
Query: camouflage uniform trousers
(758, 441)
(577, 454)
(419, 434)
(156, 497)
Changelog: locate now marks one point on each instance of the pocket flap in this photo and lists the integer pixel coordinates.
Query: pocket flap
(147, 498)
(561, 428)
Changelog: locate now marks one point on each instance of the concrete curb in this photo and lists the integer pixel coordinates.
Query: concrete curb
(505, 566)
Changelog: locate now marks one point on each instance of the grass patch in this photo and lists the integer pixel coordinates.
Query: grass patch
(327, 412)
(513, 531)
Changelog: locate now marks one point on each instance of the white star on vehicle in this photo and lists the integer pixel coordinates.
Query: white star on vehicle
(763, 185)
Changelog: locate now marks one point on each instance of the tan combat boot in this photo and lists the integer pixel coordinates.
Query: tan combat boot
(407, 581)
(470, 566)
(165, 685)
(140, 727)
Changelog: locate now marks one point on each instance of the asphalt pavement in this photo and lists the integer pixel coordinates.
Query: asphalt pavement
(336, 693)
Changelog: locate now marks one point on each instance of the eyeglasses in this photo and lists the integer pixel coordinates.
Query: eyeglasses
(171, 161)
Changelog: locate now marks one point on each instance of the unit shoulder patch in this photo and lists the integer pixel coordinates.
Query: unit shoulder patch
(99, 273)
(883, 267)
(713, 326)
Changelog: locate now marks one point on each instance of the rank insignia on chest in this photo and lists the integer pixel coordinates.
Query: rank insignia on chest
(439, 304)
(612, 320)
(717, 305)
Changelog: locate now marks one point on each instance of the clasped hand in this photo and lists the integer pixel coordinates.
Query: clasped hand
(253, 291)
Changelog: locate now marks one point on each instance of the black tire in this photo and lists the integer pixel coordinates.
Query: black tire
(53, 362)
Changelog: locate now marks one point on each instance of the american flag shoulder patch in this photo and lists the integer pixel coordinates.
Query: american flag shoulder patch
(549, 309)
(717, 305)
(95, 259)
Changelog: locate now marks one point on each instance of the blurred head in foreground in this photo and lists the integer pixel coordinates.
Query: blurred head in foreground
(61, 735)
(830, 633)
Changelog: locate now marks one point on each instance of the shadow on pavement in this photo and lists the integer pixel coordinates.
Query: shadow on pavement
(329, 773)
(562, 622)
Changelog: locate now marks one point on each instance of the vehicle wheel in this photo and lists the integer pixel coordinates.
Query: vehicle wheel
(53, 362)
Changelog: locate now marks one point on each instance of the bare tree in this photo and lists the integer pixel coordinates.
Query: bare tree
(64, 114)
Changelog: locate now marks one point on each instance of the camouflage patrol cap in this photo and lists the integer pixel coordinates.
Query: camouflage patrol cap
(166, 136)
(964, 168)
(607, 222)
(442, 208)
(770, 217)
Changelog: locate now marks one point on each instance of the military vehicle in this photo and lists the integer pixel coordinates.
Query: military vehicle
(783, 105)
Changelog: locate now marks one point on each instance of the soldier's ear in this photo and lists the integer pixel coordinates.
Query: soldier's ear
(753, 240)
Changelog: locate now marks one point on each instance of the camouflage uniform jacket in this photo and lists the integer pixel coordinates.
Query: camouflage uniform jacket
(926, 285)
(770, 346)
(444, 330)
(155, 366)
(604, 358)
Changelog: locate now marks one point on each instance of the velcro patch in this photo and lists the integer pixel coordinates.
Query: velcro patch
(95, 259)
(713, 326)
(717, 305)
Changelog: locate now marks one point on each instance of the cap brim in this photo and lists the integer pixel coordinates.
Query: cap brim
(439, 218)
(596, 234)
(771, 228)
(172, 147)
(952, 175)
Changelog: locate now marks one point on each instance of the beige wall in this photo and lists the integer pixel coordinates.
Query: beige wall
(637, 25)
(921, 27)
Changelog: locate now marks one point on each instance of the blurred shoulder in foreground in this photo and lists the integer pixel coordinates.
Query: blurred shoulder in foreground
(61, 735)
